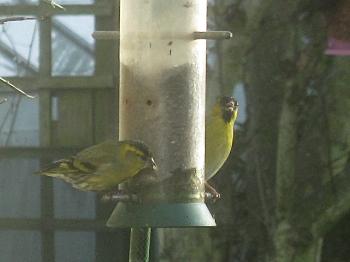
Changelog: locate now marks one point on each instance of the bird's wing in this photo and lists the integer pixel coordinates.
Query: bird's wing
(99, 154)
(80, 175)
(69, 170)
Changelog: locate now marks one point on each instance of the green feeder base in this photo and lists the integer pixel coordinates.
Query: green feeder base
(161, 215)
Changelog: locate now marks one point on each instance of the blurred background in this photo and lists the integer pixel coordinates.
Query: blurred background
(284, 190)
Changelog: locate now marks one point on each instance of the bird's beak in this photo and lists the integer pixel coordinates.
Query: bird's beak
(231, 106)
(151, 164)
(235, 105)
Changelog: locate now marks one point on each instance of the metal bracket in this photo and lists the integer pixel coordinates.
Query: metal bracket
(106, 35)
(209, 35)
(213, 35)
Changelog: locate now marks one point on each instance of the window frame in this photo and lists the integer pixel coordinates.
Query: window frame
(106, 14)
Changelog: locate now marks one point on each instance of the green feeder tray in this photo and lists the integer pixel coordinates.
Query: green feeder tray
(128, 214)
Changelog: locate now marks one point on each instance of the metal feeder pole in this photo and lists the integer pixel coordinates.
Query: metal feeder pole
(140, 240)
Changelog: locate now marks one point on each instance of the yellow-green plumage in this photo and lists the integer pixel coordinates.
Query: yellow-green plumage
(102, 167)
(219, 134)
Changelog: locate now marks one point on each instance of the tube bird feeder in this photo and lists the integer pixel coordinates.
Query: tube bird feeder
(162, 103)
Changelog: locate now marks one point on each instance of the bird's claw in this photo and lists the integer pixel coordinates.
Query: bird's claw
(212, 196)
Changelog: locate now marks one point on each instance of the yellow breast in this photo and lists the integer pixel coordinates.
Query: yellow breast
(218, 142)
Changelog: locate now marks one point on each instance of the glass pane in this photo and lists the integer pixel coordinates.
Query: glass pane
(19, 188)
(72, 45)
(74, 246)
(72, 203)
(19, 121)
(74, 2)
(19, 48)
(16, 2)
(19, 246)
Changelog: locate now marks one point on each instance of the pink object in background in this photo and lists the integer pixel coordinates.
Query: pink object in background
(337, 47)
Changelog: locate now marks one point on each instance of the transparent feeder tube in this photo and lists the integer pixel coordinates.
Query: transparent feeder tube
(162, 91)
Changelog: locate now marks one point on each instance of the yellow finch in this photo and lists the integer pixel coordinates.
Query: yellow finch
(219, 136)
(102, 167)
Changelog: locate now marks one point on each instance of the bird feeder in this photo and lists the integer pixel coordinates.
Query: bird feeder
(162, 103)
(339, 31)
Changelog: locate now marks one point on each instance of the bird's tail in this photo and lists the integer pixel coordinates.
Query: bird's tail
(57, 167)
(63, 169)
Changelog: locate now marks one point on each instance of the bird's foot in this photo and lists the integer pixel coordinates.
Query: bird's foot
(212, 194)
(119, 195)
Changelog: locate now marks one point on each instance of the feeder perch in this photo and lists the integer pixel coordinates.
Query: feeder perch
(214, 35)
(162, 103)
